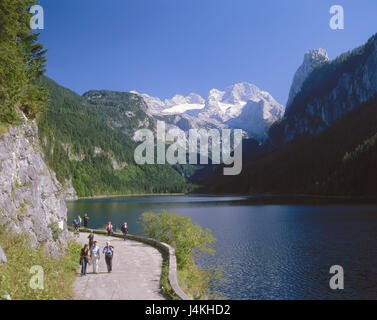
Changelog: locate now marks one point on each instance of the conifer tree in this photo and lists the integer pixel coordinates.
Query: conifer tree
(22, 62)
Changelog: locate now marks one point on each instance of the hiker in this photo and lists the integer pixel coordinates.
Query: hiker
(124, 230)
(95, 256)
(109, 228)
(91, 238)
(84, 259)
(76, 225)
(79, 220)
(109, 253)
(86, 219)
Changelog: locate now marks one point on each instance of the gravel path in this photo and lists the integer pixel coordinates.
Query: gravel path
(136, 273)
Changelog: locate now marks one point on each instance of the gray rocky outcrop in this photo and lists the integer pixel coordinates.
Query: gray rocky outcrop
(312, 59)
(31, 199)
(349, 88)
(3, 258)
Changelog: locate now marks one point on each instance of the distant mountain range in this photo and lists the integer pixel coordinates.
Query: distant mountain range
(326, 143)
(87, 141)
(314, 145)
(242, 106)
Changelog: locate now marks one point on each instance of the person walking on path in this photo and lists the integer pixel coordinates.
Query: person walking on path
(76, 228)
(109, 229)
(124, 230)
(84, 259)
(95, 256)
(79, 221)
(91, 238)
(109, 254)
(86, 219)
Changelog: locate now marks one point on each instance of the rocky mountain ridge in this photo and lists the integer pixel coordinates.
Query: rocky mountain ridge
(331, 90)
(240, 106)
(312, 59)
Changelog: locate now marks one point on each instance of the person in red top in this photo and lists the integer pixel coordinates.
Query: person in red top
(109, 228)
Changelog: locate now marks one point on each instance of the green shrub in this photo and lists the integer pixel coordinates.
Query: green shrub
(55, 230)
(15, 276)
(190, 240)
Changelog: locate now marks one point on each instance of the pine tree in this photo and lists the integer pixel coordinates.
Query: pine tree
(22, 62)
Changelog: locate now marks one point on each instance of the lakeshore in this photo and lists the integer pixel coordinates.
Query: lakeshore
(127, 195)
(265, 239)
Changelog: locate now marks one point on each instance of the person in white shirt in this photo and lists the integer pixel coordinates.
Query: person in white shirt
(95, 256)
(124, 230)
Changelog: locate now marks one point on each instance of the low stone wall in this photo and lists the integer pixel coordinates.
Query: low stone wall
(3, 258)
(168, 250)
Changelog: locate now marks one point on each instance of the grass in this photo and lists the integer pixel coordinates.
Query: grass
(166, 288)
(59, 273)
(4, 128)
(198, 283)
(189, 280)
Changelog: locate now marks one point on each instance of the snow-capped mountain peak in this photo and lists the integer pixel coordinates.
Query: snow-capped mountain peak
(241, 105)
(195, 99)
(229, 104)
(240, 92)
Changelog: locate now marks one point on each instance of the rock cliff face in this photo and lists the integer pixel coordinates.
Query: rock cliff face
(330, 91)
(312, 59)
(31, 199)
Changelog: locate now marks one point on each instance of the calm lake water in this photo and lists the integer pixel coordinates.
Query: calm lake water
(268, 251)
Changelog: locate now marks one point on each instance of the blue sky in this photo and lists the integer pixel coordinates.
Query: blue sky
(167, 47)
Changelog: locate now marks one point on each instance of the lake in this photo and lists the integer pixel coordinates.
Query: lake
(267, 250)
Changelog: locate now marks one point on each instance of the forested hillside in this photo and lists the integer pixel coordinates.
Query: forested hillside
(330, 91)
(87, 143)
(327, 75)
(357, 173)
(123, 110)
(339, 161)
(326, 142)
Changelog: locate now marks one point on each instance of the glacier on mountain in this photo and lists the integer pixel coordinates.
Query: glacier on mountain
(240, 106)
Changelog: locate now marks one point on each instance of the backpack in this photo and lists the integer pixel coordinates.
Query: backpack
(109, 251)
